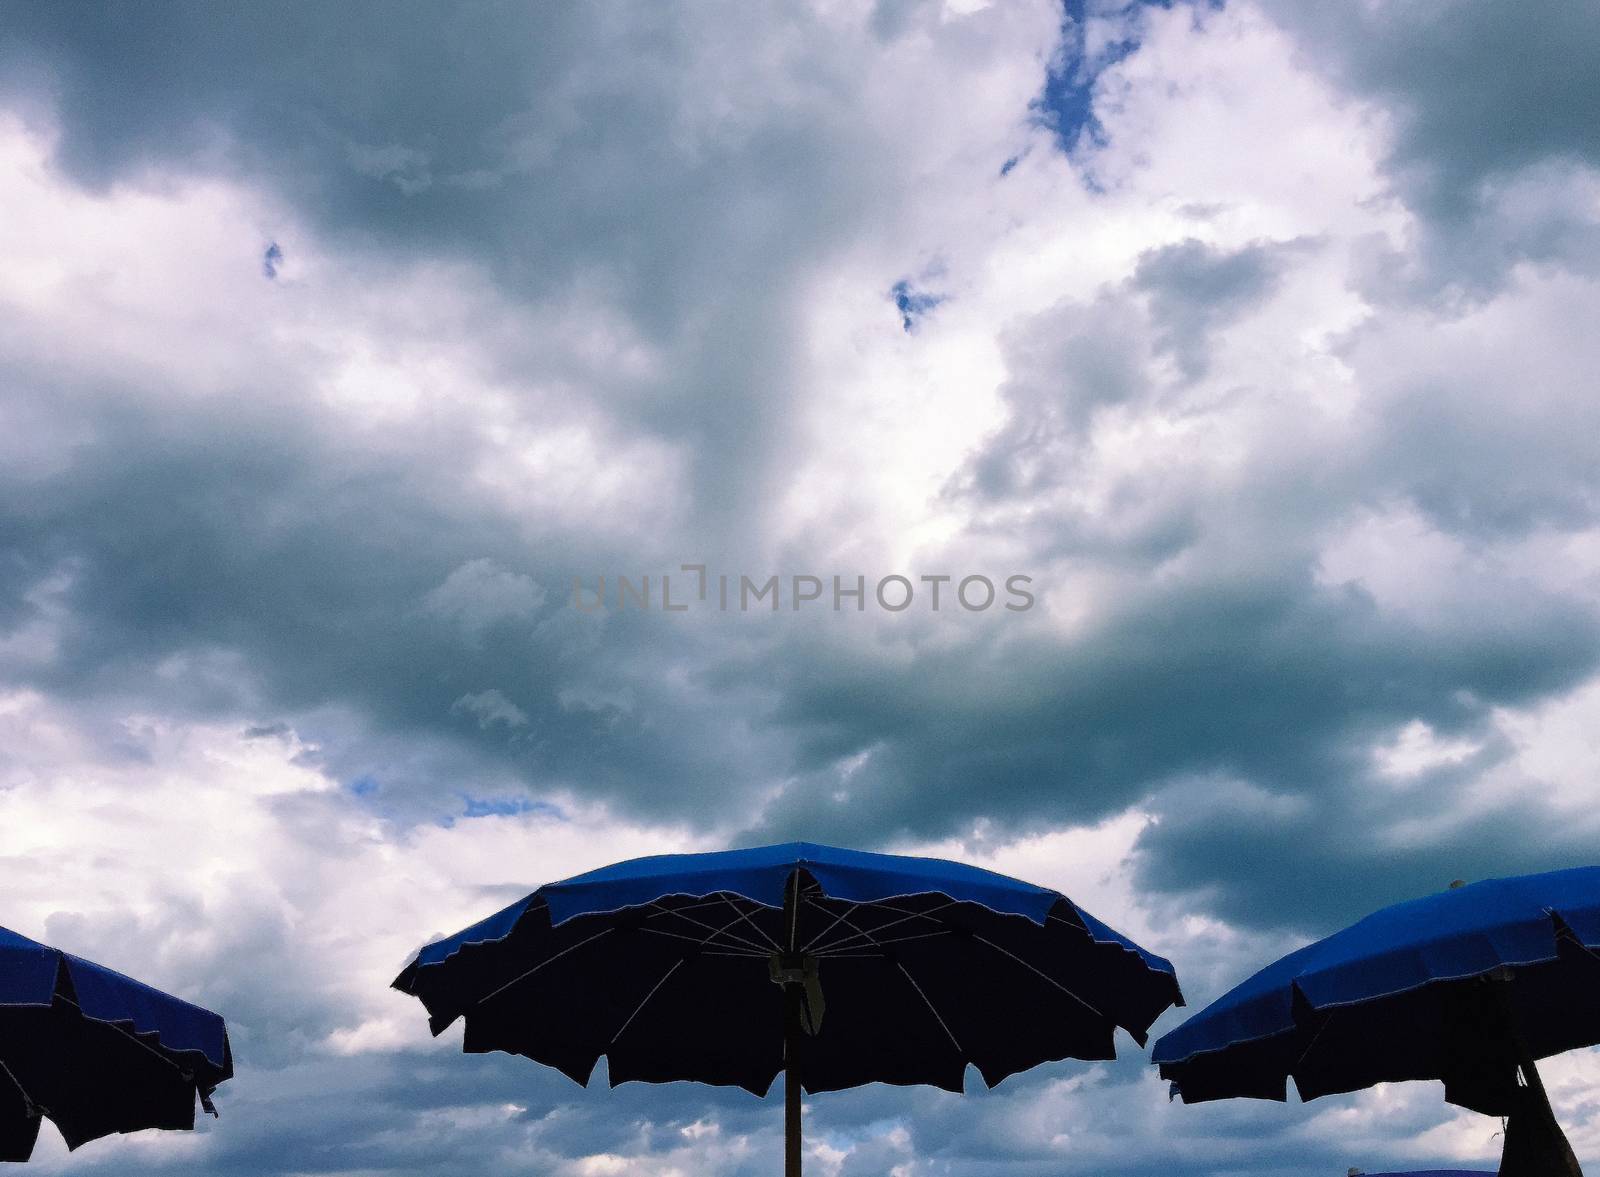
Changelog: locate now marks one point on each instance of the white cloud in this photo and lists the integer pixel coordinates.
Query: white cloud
(1416, 748)
(491, 707)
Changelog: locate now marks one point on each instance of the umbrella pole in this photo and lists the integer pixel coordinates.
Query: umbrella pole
(791, 1037)
(791, 1087)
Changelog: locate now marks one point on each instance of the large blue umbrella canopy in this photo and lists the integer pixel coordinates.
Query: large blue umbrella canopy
(900, 970)
(1469, 986)
(96, 1052)
(1383, 1000)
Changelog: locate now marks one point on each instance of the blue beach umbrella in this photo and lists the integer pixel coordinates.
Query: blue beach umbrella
(96, 1052)
(835, 967)
(1469, 986)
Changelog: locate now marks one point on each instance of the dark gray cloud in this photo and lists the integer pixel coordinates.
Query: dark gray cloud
(1289, 850)
(1063, 369)
(1066, 367)
(1286, 685)
(1460, 448)
(1236, 689)
(1195, 289)
(617, 150)
(331, 578)
(1479, 90)
(581, 150)
(1479, 95)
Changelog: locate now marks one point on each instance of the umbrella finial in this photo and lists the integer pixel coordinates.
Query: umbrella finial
(1454, 883)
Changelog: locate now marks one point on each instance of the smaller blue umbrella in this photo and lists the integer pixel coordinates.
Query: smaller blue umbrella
(1469, 986)
(834, 967)
(96, 1052)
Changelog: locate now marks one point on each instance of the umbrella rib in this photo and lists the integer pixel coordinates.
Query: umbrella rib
(729, 949)
(30, 1105)
(715, 932)
(702, 904)
(130, 1035)
(745, 916)
(1034, 968)
(735, 940)
(887, 906)
(908, 916)
(858, 934)
(1574, 939)
(1322, 1024)
(852, 954)
(837, 920)
(547, 960)
(134, 1037)
(675, 967)
(833, 953)
(931, 1009)
(906, 973)
(908, 939)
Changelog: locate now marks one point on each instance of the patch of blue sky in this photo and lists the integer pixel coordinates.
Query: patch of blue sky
(508, 807)
(844, 1140)
(912, 303)
(1066, 104)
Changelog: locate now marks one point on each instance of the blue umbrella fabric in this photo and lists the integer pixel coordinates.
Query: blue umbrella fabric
(96, 1052)
(702, 966)
(1469, 986)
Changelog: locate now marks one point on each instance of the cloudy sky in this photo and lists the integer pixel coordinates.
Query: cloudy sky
(336, 341)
